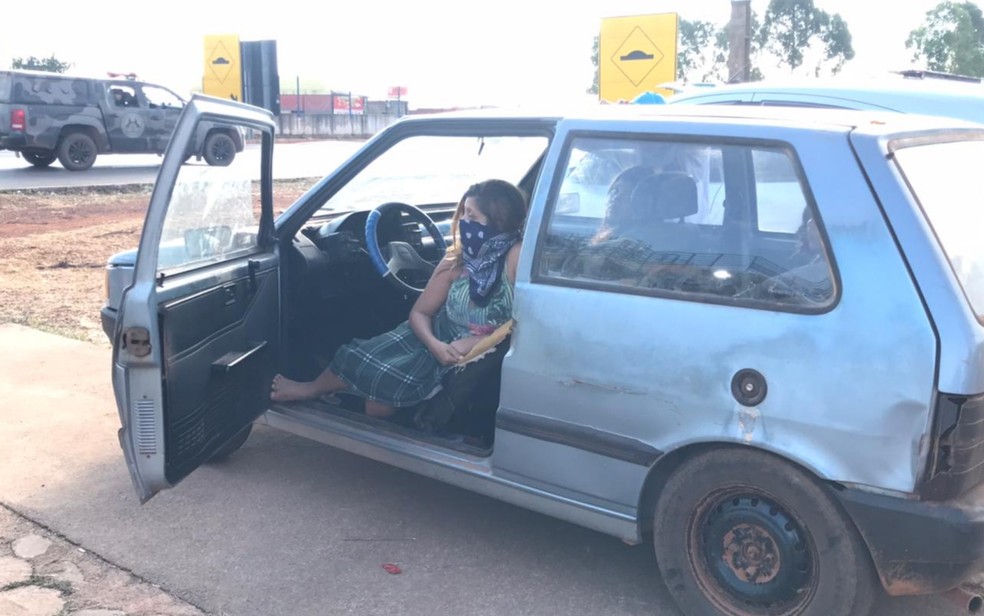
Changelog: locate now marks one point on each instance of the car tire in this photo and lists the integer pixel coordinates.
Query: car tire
(77, 151)
(220, 150)
(40, 158)
(742, 533)
(232, 446)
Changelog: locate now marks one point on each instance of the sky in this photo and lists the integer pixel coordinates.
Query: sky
(446, 53)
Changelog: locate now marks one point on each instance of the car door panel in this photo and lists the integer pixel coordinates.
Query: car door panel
(219, 356)
(198, 333)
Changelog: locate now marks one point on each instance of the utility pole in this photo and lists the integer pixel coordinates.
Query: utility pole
(739, 41)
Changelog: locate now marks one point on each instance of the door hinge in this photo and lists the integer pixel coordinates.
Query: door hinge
(136, 341)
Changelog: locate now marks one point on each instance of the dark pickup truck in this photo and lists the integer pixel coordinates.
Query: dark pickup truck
(47, 116)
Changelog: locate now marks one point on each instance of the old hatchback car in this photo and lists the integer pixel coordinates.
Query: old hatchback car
(765, 355)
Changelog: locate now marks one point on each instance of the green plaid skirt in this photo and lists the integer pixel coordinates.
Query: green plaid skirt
(396, 368)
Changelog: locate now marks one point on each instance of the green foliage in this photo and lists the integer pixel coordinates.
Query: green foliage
(799, 34)
(50, 64)
(951, 39)
(595, 54)
(701, 51)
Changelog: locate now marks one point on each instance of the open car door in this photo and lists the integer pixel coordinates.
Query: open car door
(198, 331)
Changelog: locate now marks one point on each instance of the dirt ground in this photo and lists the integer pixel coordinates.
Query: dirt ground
(54, 246)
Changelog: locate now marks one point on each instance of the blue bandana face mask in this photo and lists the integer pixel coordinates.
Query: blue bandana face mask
(473, 236)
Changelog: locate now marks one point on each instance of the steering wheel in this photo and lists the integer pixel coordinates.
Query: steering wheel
(401, 258)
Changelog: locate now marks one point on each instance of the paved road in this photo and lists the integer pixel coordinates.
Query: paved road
(291, 160)
(288, 526)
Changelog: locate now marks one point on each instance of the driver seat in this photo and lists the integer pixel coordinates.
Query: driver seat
(469, 395)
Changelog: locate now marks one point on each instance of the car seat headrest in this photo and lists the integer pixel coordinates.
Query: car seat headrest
(667, 196)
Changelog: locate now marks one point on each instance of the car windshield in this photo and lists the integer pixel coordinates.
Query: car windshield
(943, 177)
(428, 170)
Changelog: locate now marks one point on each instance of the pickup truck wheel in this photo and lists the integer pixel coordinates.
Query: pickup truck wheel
(232, 446)
(742, 533)
(77, 152)
(220, 150)
(39, 158)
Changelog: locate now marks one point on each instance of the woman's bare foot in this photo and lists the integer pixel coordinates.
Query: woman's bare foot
(283, 389)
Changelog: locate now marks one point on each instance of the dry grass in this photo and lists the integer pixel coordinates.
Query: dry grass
(54, 247)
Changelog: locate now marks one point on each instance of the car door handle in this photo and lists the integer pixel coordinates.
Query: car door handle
(230, 361)
(229, 291)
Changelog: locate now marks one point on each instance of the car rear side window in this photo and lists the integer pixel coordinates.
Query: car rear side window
(944, 179)
(721, 223)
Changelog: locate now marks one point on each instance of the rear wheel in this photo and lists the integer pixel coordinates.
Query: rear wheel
(77, 151)
(220, 149)
(742, 533)
(39, 158)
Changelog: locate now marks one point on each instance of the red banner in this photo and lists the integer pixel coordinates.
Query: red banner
(397, 91)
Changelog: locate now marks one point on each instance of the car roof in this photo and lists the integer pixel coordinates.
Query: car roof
(807, 118)
(931, 96)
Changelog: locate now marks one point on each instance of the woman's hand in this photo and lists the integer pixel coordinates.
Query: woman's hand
(446, 354)
(465, 345)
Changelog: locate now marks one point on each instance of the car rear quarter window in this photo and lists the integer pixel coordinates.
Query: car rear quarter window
(945, 180)
(5, 81)
(712, 222)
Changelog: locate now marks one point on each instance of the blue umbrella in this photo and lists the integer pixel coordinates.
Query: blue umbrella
(649, 98)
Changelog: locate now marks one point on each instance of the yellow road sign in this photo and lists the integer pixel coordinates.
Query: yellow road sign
(636, 54)
(223, 68)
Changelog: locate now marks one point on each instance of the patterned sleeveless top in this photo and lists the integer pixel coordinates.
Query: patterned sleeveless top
(467, 319)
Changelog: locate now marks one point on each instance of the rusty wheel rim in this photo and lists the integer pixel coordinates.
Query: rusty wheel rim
(751, 556)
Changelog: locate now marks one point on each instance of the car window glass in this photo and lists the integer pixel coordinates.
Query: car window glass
(423, 170)
(943, 178)
(711, 222)
(213, 214)
(159, 97)
(123, 95)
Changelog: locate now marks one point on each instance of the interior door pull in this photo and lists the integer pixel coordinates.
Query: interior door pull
(252, 265)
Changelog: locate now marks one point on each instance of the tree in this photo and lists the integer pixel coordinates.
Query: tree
(799, 34)
(595, 54)
(701, 51)
(951, 39)
(50, 64)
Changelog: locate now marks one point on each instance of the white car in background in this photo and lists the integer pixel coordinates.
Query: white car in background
(955, 98)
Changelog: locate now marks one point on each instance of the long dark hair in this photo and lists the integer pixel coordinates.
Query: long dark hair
(619, 213)
(501, 202)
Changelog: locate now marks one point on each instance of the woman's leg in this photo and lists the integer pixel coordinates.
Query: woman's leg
(379, 409)
(283, 389)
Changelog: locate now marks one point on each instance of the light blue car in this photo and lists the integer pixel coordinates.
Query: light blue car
(764, 354)
(941, 97)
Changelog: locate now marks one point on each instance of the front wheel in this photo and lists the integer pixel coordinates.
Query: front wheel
(743, 533)
(77, 152)
(220, 149)
(232, 446)
(39, 158)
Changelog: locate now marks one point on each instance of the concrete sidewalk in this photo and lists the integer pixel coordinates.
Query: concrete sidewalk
(42, 572)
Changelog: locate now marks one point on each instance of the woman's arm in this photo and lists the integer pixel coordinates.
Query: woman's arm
(512, 261)
(427, 305)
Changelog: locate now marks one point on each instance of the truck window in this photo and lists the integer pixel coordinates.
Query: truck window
(123, 95)
(161, 98)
